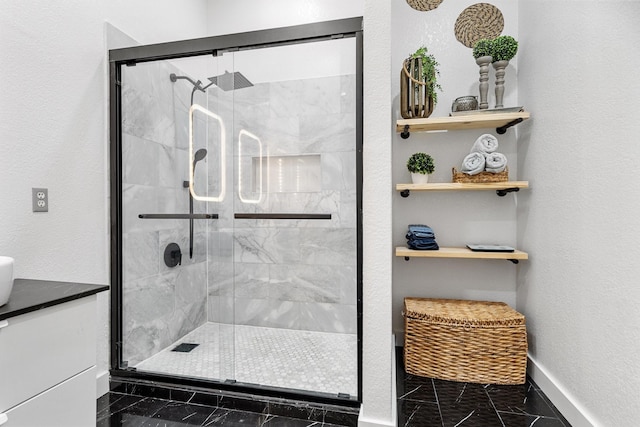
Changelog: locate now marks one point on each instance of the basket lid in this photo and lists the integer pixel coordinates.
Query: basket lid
(462, 312)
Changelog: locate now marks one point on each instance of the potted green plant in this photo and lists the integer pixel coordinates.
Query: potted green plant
(419, 84)
(421, 165)
(504, 49)
(482, 52)
(483, 47)
(430, 71)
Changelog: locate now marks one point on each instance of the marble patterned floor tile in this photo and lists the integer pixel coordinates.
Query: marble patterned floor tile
(116, 409)
(426, 402)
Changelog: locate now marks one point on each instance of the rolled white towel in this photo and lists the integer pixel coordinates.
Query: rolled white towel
(473, 163)
(486, 144)
(495, 162)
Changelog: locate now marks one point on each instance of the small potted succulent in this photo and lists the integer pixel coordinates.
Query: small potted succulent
(503, 50)
(421, 165)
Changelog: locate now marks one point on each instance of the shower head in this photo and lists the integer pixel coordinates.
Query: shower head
(196, 85)
(200, 154)
(230, 81)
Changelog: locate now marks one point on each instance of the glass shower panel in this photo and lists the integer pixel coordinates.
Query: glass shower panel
(170, 162)
(295, 230)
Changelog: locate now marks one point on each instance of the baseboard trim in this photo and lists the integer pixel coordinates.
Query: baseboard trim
(362, 422)
(102, 383)
(394, 383)
(562, 400)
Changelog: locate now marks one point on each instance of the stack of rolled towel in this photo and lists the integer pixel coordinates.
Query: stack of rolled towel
(483, 157)
(421, 237)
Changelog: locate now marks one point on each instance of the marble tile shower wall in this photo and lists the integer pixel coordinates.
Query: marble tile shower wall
(160, 304)
(286, 273)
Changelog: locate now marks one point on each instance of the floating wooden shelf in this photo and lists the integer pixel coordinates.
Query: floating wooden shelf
(502, 188)
(460, 253)
(500, 121)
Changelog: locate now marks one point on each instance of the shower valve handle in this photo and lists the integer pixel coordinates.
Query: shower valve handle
(172, 255)
(177, 255)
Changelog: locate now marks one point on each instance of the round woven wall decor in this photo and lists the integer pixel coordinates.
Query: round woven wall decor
(424, 5)
(478, 21)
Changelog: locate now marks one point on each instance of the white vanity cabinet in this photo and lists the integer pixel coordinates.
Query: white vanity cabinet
(47, 366)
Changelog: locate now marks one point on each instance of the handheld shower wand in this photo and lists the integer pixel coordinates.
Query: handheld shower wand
(199, 155)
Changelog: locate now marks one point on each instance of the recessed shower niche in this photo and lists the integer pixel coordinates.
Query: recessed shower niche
(288, 174)
(249, 161)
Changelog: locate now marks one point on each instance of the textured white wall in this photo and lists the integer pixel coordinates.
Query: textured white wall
(457, 218)
(581, 220)
(53, 130)
(238, 16)
(158, 21)
(378, 398)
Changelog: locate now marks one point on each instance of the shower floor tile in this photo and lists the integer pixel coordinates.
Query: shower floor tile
(302, 360)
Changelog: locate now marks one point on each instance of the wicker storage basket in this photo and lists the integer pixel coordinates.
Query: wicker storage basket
(467, 341)
(481, 177)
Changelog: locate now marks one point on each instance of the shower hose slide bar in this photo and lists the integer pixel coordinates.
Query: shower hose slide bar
(178, 216)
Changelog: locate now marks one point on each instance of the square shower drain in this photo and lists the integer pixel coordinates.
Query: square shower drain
(184, 347)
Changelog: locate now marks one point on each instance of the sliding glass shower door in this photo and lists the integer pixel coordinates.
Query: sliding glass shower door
(294, 212)
(240, 191)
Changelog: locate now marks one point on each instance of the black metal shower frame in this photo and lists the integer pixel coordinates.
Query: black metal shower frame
(351, 27)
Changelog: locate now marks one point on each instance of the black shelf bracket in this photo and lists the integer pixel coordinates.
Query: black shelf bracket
(405, 133)
(503, 129)
(515, 261)
(503, 191)
(405, 193)
(406, 258)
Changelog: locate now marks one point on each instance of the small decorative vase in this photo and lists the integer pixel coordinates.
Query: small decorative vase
(419, 178)
(465, 103)
(484, 62)
(500, 66)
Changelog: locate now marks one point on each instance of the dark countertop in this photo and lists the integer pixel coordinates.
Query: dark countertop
(32, 295)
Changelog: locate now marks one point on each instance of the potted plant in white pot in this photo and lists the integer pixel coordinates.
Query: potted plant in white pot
(482, 51)
(421, 165)
(503, 50)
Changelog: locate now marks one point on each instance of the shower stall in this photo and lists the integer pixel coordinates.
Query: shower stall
(236, 182)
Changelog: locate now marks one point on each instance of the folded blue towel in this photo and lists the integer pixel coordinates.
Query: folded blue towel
(430, 246)
(419, 230)
(421, 237)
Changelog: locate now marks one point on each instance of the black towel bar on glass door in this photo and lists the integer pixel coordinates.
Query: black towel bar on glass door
(178, 216)
(280, 216)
